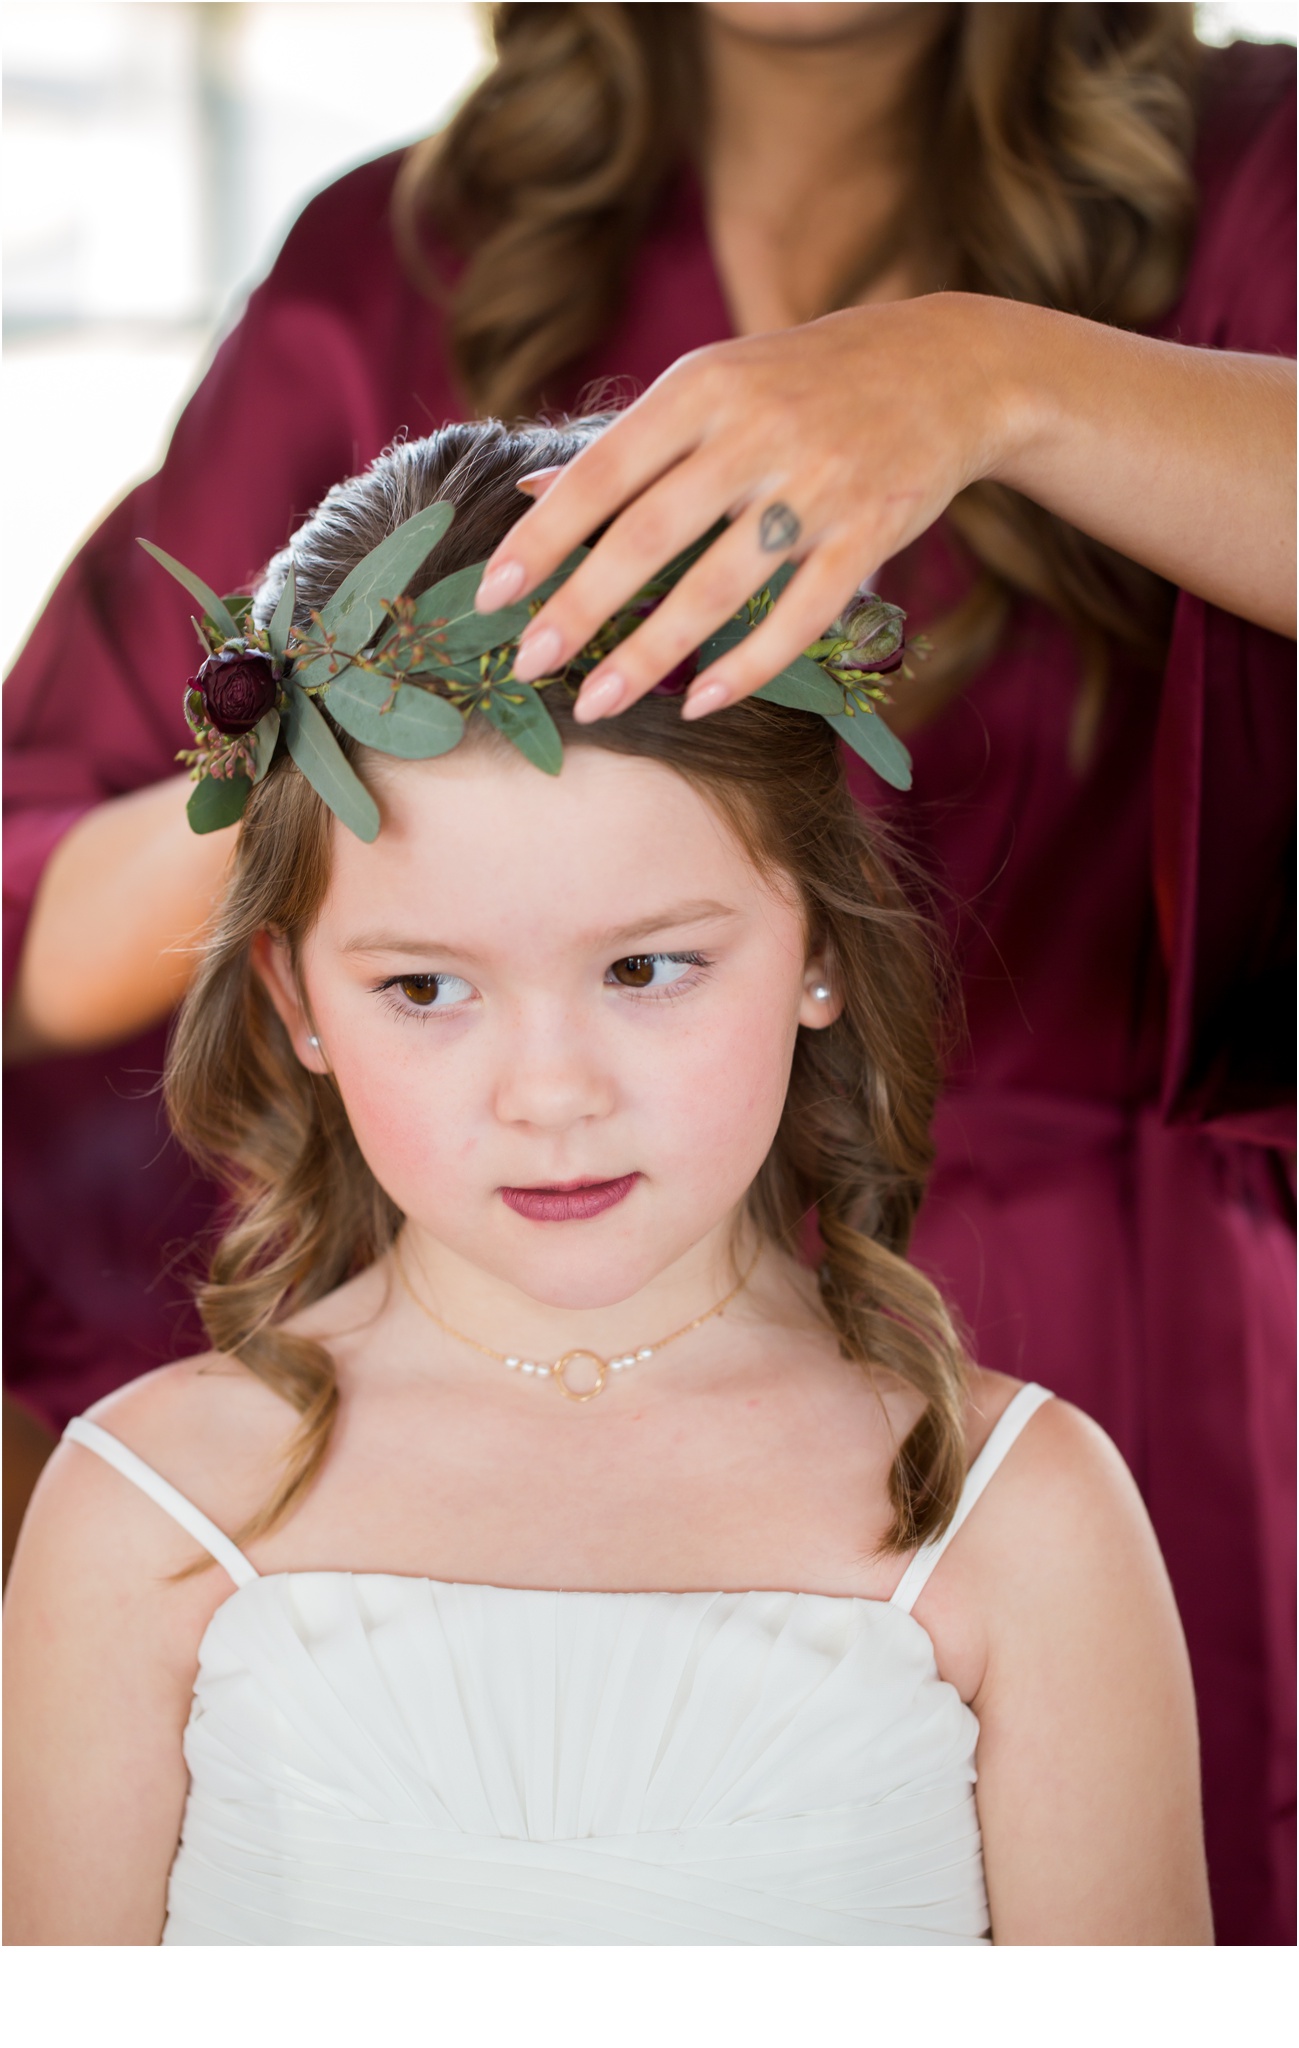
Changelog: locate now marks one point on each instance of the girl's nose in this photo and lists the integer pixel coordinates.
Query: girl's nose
(552, 1078)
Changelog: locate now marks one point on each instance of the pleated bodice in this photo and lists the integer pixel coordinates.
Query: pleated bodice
(377, 1759)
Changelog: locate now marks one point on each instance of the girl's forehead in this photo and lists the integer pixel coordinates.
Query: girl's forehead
(484, 835)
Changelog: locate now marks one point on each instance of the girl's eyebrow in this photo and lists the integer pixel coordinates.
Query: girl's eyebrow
(644, 928)
(701, 912)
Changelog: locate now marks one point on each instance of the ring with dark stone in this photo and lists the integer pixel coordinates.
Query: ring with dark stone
(778, 528)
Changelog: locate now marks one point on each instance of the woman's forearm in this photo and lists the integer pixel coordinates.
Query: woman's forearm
(120, 907)
(1181, 458)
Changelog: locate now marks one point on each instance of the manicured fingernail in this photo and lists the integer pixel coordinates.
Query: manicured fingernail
(536, 483)
(537, 655)
(712, 697)
(499, 585)
(600, 697)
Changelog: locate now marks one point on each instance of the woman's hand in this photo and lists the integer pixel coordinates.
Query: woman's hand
(837, 443)
(833, 444)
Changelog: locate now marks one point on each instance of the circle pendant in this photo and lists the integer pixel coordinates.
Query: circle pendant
(560, 1370)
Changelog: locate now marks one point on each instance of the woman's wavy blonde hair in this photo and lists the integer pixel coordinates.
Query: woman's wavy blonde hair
(1055, 170)
(852, 1149)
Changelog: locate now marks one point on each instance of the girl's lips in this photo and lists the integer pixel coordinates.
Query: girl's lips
(573, 1203)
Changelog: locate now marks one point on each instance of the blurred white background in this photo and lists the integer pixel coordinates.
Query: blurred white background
(154, 154)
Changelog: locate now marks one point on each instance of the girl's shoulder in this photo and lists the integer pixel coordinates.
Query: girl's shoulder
(203, 1425)
(1059, 1472)
(208, 1426)
(1058, 1543)
(101, 1568)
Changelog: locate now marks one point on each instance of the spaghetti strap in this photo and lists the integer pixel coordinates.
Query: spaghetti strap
(1017, 1412)
(92, 1438)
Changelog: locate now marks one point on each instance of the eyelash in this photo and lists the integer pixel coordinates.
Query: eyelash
(422, 1012)
(673, 989)
(401, 1006)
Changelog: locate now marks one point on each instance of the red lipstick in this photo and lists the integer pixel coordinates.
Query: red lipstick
(571, 1201)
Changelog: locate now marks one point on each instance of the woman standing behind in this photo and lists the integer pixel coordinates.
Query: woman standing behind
(634, 184)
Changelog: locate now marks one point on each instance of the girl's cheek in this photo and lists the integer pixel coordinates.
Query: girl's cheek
(718, 1095)
(408, 1117)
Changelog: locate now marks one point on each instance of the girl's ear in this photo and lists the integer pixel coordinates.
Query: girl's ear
(821, 1003)
(272, 963)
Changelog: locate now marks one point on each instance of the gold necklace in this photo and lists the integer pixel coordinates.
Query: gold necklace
(558, 1371)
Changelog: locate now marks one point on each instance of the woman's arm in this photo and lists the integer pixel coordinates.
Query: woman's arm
(118, 912)
(98, 1669)
(309, 384)
(860, 429)
(1088, 1792)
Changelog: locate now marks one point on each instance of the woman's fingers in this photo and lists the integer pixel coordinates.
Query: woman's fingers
(623, 461)
(816, 595)
(539, 482)
(662, 522)
(711, 592)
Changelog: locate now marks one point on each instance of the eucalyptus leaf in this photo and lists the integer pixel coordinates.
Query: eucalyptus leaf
(416, 725)
(282, 617)
(214, 607)
(321, 673)
(217, 801)
(483, 631)
(462, 632)
(453, 597)
(804, 686)
(356, 608)
(528, 725)
(882, 750)
(321, 759)
(722, 641)
(469, 632)
(239, 607)
(265, 735)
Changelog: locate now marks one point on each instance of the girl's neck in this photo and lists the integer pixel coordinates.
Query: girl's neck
(807, 158)
(504, 1319)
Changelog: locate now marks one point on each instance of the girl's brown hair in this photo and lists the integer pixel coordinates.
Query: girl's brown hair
(1052, 167)
(852, 1149)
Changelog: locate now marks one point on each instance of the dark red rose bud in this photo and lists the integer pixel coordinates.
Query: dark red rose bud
(237, 690)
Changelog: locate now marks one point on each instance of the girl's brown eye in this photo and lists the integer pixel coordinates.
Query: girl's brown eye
(638, 972)
(420, 988)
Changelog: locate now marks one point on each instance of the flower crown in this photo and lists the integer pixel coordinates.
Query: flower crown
(403, 674)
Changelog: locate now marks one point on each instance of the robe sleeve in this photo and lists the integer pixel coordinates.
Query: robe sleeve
(290, 403)
(1225, 750)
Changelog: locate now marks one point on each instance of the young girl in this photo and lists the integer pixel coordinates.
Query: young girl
(554, 1548)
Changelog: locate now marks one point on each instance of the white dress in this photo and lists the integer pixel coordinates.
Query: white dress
(382, 1759)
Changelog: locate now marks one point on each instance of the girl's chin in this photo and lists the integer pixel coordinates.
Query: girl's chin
(582, 1268)
(564, 1287)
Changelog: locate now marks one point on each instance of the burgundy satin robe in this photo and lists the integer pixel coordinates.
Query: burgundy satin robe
(1109, 1211)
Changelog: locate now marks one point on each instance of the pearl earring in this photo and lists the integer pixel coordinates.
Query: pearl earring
(314, 1042)
(821, 993)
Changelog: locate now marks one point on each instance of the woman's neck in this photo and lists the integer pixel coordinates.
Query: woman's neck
(807, 157)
